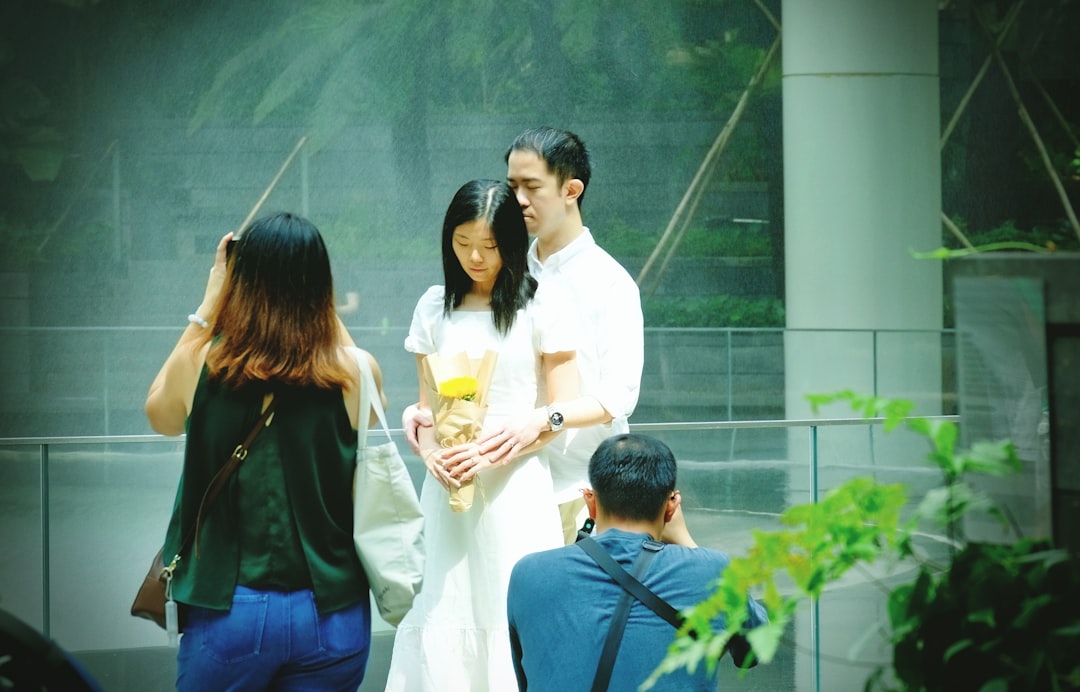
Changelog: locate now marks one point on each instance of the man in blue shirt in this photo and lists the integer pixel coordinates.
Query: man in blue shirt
(560, 602)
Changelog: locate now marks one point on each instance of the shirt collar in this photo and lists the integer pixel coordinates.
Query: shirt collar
(576, 247)
(621, 535)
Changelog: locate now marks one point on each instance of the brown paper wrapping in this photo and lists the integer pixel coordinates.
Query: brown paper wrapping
(458, 421)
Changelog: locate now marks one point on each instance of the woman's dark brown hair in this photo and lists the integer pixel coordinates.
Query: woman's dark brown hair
(495, 203)
(275, 319)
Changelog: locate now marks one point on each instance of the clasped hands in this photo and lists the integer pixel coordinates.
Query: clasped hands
(458, 464)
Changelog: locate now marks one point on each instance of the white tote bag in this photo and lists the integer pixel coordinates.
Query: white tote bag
(388, 526)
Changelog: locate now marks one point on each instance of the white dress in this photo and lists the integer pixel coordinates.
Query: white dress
(456, 635)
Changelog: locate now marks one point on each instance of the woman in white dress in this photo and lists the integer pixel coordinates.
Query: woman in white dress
(456, 637)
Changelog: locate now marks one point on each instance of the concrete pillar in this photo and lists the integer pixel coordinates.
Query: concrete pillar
(862, 188)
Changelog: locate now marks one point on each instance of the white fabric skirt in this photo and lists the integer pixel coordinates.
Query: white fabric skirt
(456, 636)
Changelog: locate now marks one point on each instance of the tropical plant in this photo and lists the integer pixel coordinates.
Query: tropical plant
(30, 138)
(997, 617)
(1008, 236)
(713, 311)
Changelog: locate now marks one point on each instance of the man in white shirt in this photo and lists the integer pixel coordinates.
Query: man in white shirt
(549, 171)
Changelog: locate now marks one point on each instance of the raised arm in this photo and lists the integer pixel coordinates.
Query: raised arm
(168, 402)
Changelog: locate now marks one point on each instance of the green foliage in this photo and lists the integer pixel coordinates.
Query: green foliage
(628, 243)
(36, 149)
(1007, 236)
(730, 240)
(329, 61)
(1059, 237)
(28, 140)
(357, 234)
(999, 617)
(854, 523)
(712, 311)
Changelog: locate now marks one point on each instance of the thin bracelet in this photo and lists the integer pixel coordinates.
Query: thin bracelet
(195, 319)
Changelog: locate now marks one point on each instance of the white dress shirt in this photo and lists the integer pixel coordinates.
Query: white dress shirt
(610, 355)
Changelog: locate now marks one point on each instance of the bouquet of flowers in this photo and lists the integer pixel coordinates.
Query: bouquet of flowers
(457, 389)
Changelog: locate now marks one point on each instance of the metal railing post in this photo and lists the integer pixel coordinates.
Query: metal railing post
(815, 613)
(730, 395)
(43, 467)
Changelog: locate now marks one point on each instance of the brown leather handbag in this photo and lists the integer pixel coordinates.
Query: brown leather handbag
(154, 598)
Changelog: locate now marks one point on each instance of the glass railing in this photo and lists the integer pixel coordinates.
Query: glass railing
(82, 516)
(65, 381)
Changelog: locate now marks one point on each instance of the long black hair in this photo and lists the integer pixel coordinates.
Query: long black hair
(495, 203)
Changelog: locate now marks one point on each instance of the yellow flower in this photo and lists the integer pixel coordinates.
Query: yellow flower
(459, 388)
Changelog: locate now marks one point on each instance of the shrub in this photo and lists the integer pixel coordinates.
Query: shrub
(712, 311)
(997, 617)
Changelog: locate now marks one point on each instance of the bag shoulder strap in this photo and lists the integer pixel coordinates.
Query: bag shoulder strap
(225, 472)
(632, 586)
(369, 400)
(629, 582)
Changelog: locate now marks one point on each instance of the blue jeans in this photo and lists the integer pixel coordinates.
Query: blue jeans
(274, 641)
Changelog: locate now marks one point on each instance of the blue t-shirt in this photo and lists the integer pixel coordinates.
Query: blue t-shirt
(560, 605)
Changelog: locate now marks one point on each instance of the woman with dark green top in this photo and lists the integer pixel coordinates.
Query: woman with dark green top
(273, 595)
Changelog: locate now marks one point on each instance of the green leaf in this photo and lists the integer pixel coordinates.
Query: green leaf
(899, 599)
(993, 458)
(945, 253)
(956, 648)
(984, 617)
(968, 612)
(1072, 630)
(765, 639)
(938, 254)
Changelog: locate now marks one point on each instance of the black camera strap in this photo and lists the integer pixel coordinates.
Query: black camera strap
(632, 588)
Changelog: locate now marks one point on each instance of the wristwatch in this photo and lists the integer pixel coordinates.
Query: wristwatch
(555, 419)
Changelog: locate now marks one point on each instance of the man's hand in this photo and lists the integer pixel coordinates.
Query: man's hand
(412, 419)
(463, 462)
(500, 446)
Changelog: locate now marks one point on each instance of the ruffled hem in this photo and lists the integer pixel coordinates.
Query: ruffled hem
(445, 659)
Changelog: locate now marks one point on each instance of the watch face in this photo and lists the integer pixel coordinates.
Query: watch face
(556, 420)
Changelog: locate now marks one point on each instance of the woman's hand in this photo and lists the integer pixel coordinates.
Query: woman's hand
(169, 401)
(217, 278)
(465, 461)
(434, 463)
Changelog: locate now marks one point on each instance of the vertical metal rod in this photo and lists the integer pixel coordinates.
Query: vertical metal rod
(874, 355)
(118, 228)
(45, 586)
(730, 375)
(730, 395)
(304, 184)
(870, 428)
(815, 613)
(105, 376)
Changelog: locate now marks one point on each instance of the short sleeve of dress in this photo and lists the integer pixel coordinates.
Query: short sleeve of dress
(555, 324)
(426, 316)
